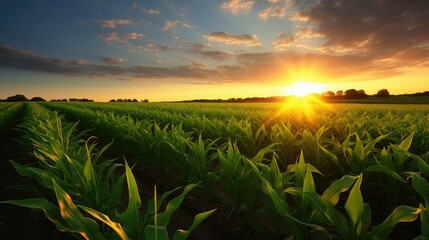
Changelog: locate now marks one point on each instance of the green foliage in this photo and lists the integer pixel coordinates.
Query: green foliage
(69, 169)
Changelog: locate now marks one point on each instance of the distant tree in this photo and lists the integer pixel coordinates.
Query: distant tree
(339, 93)
(16, 98)
(135, 100)
(73, 100)
(351, 93)
(362, 94)
(383, 93)
(64, 100)
(112, 100)
(145, 100)
(329, 94)
(38, 99)
(119, 100)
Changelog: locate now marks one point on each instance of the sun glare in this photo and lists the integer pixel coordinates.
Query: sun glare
(302, 89)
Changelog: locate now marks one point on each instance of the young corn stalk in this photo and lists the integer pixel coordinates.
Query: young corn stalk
(76, 182)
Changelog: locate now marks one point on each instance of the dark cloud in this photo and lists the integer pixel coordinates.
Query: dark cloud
(371, 26)
(216, 55)
(249, 67)
(28, 60)
(111, 60)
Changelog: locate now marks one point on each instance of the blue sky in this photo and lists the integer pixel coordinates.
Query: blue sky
(174, 50)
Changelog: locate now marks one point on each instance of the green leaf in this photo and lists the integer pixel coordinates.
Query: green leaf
(86, 227)
(354, 205)
(173, 205)
(406, 143)
(331, 216)
(385, 170)
(423, 166)
(152, 232)
(42, 176)
(51, 211)
(424, 219)
(400, 214)
(106, 220)
(332, 193)
(334, 158)
(130, 217)
(421, 186)
(183, 234)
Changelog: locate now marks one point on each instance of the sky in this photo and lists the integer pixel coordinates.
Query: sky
(166, 50)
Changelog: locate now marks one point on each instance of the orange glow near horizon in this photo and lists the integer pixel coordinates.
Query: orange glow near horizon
(301, 107)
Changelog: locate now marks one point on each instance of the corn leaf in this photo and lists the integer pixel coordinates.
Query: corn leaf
(354, 205)
(78, 223)
(400, 214)
(106, 220)
(152, 232)
(130, 217)
(385, 170)
(51, 211)
(173, 205)
(183, 234)
(332, 193)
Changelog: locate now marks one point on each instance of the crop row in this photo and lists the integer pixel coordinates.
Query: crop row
(7, 113)
(82, 195)
(387, 152)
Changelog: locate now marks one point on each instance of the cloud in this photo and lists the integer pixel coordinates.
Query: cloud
(237, 6)
(284, 40)
(111, 60)
(231, 39)
(28, 60)
(116, 37)
(369, 27)
(297, 39)
(173, 24)
(273, 12)
(150, 11)
(215, 55)
(248, 67)
(114, 23)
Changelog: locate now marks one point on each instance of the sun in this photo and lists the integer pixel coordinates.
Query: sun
(302, 89)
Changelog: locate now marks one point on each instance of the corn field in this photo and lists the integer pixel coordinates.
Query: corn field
(340, 171)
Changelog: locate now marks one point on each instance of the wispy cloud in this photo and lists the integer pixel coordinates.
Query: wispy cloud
(215, 55)
(231, 39)
(237, 6)
(114, 23)
(151, 11)
(284, 40)
(111, 60)
(273, 12)
(173, 24)
(116, 37)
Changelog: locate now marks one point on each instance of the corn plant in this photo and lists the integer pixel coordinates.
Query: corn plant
(236, 178)
(77, 180)
(356, 225)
